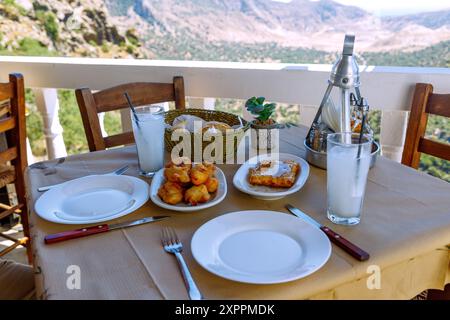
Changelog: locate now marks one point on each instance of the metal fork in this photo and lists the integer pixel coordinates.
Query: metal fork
(115, 172)
(172, 244)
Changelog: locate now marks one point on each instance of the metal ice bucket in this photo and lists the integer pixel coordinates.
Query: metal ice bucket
(319, 159)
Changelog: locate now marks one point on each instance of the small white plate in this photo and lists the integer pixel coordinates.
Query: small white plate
(216, 197)
(260, 247)
(240, 179)
(92, 199)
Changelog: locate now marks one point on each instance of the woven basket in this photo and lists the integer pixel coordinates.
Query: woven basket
(207, 115)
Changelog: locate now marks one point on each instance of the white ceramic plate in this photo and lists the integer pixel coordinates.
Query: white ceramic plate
(260, 247)
(217, 197)
(92, 199)
(240, 179)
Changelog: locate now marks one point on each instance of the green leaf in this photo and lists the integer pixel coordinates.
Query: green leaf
(260, 100)
(258, 109)
(270, 109)
(255, 108)
(250, 102)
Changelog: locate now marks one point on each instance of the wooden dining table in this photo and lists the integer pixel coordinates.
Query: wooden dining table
(405, 226)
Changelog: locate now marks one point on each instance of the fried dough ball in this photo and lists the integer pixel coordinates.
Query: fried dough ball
(212, 184)
(199, 174)
(210, 167)
(196, 194)
(179, 174)
(171, 193)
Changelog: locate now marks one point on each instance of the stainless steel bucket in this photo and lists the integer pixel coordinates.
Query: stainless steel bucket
(319, 159)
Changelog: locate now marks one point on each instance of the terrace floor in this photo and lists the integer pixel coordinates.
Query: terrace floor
(19, 254)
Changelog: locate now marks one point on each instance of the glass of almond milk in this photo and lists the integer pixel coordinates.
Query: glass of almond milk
(348, 163)
(148, 131)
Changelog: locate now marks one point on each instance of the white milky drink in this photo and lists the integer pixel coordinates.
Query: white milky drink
(149, 138)
(346, 180)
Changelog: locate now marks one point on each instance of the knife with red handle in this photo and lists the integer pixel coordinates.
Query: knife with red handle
(73, 234)
(334, 237)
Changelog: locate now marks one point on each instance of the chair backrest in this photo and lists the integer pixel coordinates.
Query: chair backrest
(12, 124)
(425, 102)
(111, 99)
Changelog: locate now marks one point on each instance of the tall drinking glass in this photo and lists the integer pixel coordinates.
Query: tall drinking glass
(148, 130)
(348, 163)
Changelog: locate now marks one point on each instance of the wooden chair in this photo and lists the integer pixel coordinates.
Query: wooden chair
(425, 102)
(141, 93)
(13, 160)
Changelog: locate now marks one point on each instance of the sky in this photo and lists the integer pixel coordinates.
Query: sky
(394, 7)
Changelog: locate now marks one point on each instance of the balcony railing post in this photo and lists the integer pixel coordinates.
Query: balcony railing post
(48, 105)
(209, 103)
(30, 156)
(101, 119)
(392, 133)
(201, 103)
(125, 119)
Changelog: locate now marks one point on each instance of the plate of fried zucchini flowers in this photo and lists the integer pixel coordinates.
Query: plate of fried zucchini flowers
(272, 177)
(186, 186)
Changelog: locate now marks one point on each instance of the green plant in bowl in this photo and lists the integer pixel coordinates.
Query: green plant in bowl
(264, 123)
(263, 112)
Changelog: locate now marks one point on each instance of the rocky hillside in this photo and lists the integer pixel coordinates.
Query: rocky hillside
(300, 23)
(430, 20)
(201, 29)
(65, 28)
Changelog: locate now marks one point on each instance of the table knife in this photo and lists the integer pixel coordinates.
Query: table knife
(72, 234)
(337, 239)
(117, 172)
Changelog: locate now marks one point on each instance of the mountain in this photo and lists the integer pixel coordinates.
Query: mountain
(431, 20)
(65, 28)
(300, 23)
(207, 29)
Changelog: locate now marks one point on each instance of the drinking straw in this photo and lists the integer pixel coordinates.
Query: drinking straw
(358, 160)
(363, 122)
(130, 104)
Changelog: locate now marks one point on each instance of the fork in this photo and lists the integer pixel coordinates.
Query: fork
(172, 244)
(115, 172)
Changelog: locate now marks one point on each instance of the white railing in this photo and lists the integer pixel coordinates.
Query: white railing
(386, 88)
